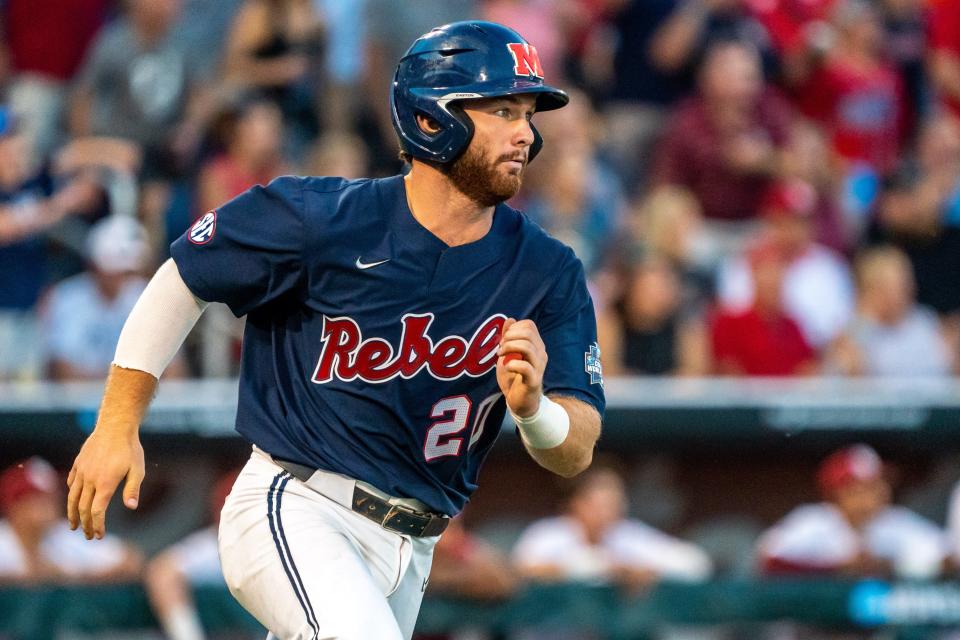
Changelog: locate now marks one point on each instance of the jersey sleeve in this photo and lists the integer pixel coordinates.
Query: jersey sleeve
(568, 326)
(248, 252)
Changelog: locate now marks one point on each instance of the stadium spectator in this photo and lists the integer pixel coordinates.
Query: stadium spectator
(338, 153)
(920, 214)
(170, 576)
(36, 544)
(203, 28)
(855, 93)
(891, 335)
(250, 154)
(943, 61)
(905, 47)
(660, 337)
(658, 46)
(726, 143)
(83, 315)
(817, 286)
(855, 531)
(33, 200)
(275, 47)
(571, 192)
(807, 159)
(668, 224)
(596, 541)
(763, 339)
(137, 84)
(799, 32)
(41, 73)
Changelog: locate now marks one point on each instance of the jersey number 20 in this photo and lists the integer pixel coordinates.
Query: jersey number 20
(455, 411)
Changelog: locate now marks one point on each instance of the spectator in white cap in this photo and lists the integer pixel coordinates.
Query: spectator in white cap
(855, 531)
(595, 541)
(83, 315)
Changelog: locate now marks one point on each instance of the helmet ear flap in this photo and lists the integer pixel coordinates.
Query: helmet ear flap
(457, 111)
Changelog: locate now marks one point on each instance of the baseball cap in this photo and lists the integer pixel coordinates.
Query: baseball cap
(117, 244)
(29, 477)
(857, 462)
(790, 199)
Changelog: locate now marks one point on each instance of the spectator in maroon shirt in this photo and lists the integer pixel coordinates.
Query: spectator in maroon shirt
(726, 143)
(45, 42)
(763, 340)
(855, 93)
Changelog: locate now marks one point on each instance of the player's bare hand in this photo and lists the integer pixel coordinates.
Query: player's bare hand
(521, 379)
(104, 460)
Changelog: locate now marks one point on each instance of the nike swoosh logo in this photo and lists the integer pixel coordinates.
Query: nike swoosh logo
(368, 265)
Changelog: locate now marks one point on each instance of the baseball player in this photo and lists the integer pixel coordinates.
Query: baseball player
(390, 324)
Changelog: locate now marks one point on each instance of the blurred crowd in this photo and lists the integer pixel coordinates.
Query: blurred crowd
(854, 530)
(756, 187)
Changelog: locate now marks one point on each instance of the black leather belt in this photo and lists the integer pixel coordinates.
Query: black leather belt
(395, 517)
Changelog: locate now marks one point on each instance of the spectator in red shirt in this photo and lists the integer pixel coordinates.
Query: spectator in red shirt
(726, 143)
(763, 340)
(251, 154)
(791, 24)
(855, 93)
(944, 46)
(799, 30)
(45, 41)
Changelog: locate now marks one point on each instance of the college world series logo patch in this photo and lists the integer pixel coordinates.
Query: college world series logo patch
(591, 364)
(202, 230)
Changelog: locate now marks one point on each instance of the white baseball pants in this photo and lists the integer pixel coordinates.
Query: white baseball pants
(307, 566)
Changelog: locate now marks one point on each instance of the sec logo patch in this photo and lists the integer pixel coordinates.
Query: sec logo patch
(202, 230)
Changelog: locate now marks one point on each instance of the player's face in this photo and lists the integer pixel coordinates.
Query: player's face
(491, 169)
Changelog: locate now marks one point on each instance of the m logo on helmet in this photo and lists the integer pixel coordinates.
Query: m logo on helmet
(526, 59)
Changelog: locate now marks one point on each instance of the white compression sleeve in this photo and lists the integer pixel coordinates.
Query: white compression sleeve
(158, 323)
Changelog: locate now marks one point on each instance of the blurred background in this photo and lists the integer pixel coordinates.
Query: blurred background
(765, 195)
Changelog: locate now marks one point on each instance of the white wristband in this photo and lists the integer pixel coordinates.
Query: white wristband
(545, 429)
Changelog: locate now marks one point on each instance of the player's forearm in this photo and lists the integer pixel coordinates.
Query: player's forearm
(575, 453)
(125, 400)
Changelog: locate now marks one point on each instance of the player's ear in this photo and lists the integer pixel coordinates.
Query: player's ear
(428, 125)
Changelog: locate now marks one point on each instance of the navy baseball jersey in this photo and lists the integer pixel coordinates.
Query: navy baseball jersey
(370, 346)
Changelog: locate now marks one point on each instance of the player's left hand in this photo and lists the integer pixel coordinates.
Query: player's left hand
(521, 379)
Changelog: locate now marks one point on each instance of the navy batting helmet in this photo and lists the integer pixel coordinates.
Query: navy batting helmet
(459, 61)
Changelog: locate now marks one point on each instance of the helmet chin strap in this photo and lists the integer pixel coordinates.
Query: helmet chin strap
(536, 145)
